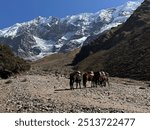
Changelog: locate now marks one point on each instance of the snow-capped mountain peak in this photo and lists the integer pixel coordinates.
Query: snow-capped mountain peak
(10, 31)
(42, 35)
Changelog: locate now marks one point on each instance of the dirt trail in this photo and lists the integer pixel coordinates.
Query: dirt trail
(49, 93)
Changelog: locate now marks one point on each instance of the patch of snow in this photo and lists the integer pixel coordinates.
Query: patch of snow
(80, 40)
(108, 27)
(105, 15)
(58, 46)
(44, 45)
(120, 19)
(10, 31)
(84, 17)
(67, 36)
(126, 9)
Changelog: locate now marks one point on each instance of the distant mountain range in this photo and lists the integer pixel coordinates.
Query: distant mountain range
(43, 36)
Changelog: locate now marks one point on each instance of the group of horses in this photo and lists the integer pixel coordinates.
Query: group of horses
(100, 78)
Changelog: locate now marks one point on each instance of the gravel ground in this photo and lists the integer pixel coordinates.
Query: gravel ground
(50, 93)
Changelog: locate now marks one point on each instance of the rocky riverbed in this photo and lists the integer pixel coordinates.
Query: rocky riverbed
(51, 93)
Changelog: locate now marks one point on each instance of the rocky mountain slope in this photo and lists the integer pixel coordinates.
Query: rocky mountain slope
(59, 63)
(123, 51)
(42, 36)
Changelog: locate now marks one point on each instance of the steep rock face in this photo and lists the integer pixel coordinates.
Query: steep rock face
(43, 36)
(123, 51)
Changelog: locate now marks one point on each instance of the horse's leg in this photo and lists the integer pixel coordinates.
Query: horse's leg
(96, 83)
(92, 84)
(101, 83)
(76, 85)
(80, 84)
(108, 83)
(104, 82)
(71, 84)
(72, 87)
(84, 83)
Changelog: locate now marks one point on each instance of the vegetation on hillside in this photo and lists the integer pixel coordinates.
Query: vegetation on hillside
(10, 62)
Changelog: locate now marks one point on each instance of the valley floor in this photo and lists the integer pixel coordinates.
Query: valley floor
(50, 93)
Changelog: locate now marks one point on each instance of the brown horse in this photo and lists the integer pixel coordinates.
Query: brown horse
(72, 80)
(78, 78)
(75, 77)
(88, 76)
(96, 78)
(104, 78)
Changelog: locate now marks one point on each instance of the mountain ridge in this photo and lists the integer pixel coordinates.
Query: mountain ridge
(62, 35)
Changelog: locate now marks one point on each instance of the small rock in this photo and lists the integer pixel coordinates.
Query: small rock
(24, 80)
(142, 88)
(148, 104)
(8, 82)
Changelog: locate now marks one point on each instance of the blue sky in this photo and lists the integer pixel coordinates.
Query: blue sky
(13, 11)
